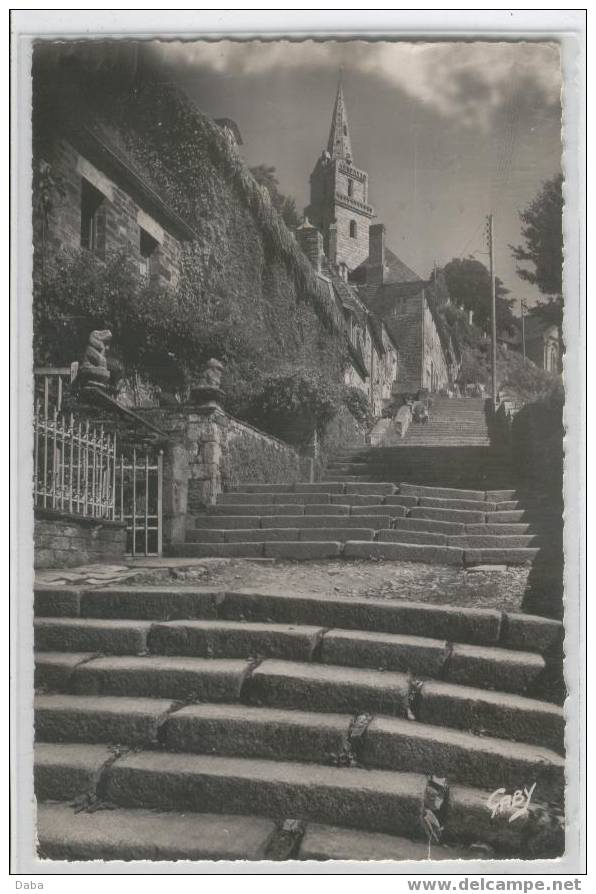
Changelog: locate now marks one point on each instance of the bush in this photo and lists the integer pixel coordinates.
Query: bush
(358, 404)
(519, 380)
(292, 405)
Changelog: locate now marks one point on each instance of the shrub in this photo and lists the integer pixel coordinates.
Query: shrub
(358, 404)
(293, 404)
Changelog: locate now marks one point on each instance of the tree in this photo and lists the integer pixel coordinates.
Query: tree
(543, 235)
(286, 205)
(468, 282)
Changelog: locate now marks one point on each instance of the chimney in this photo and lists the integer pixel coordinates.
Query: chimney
(375, 268)
(311, 243)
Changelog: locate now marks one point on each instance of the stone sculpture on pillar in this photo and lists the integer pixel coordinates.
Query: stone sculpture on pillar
(207, 393)
(93, 371)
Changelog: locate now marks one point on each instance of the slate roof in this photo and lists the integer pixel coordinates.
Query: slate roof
(396, 270)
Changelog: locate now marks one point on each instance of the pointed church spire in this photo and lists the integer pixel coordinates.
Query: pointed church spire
(339, 145)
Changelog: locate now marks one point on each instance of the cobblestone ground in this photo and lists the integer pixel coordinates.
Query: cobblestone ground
(488, 586)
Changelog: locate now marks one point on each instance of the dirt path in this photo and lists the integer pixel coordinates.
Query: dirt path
(501, 588)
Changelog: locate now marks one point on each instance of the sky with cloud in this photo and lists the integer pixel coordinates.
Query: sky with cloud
(448, 132)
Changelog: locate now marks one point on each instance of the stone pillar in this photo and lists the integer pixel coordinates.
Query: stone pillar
(193, 457)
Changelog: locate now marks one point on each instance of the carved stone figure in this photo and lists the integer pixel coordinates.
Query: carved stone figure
(208, 391)
(94, 367)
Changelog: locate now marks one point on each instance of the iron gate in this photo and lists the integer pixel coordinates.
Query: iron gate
(79, 469)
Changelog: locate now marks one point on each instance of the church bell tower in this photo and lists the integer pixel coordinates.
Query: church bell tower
(339, 195)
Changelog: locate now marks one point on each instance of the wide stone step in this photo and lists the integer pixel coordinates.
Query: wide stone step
(465, 625)
(480, 761)
(99, 719)
(240, 550)
(445, 622)
(429, 525)
(387, 743)
(334, 843)
(503, 517)
(122, 834)
(496, 668)
(235, 639)
(329, 487)
(465, 516)
(65, 771)
(373, 799)
(157, 676)
(235, 509)
(272, 548)
(328, 688)
(493, 668)
(262, 498)
(492, 541)
(263, 535)
(501, 556)
(404, 552)
(443, 503)
(116, 637)
(463, 541)
(383, 801)
(486, 713)
(508, 529)
(377, 517)
(447, 493)
(307, 736)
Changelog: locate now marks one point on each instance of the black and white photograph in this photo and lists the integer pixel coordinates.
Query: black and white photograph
(298, 406)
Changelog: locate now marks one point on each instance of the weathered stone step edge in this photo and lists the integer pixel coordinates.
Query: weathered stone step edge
(137, 834)
(342, 500)
(408, 550)
(370, 532)
(377, 800)
(301, 550)
(496, 668)
(268, 733)
(324, 688)
(478, 626)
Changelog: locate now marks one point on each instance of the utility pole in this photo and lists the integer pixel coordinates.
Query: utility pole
(523, 319)
(493, 305)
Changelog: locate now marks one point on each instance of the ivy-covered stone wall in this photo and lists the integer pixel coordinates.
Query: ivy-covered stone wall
(244, 292)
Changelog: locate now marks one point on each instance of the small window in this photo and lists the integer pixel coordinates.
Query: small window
(353, 229)
(148, 251)
(350, 187)
(345, 130)
(92, 207)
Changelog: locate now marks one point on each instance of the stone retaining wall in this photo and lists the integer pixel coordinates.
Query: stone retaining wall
(250, 455)
(63, 540)
(209, 449)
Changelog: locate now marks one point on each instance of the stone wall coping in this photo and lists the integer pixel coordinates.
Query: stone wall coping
(258, 431)
(72, 518)
(191, 413)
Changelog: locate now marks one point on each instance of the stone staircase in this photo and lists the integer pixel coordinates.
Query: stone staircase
(459, 422)
(357, 519)
(241, 725)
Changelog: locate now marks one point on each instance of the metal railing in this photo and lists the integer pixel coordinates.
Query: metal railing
(74, 465)
(139, 485)
(78, 470)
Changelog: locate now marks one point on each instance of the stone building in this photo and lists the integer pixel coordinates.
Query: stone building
(428, 358)
(339, 205)
(376, 285)
(125, 165)
(372, 345)
(542, 344)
